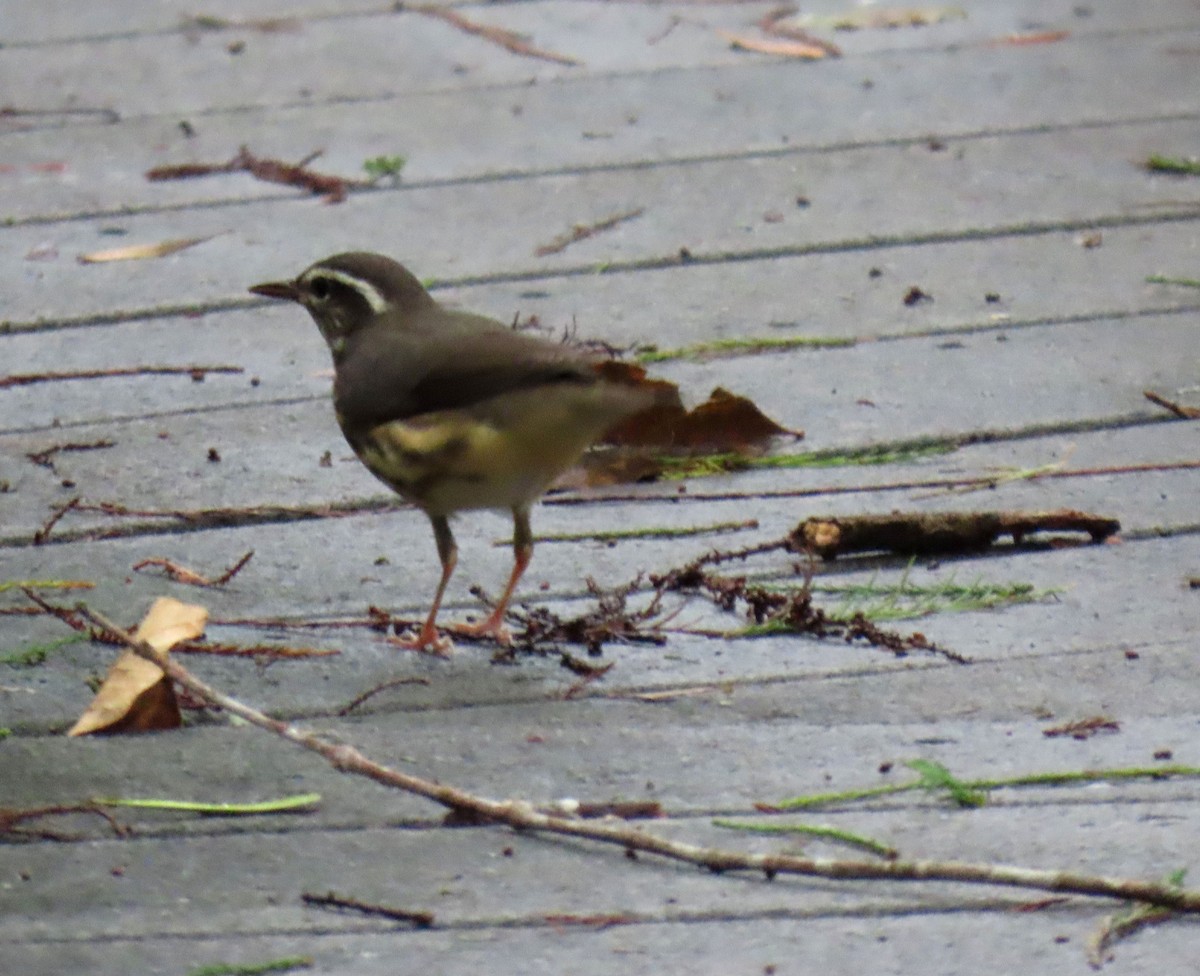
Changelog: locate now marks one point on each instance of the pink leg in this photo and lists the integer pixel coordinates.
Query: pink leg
(427, 639)
(522, 554)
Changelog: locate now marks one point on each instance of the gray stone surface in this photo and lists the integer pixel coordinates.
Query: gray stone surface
(932, 155)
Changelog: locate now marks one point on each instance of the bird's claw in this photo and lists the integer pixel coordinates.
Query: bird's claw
(491, 627)
(426, 641)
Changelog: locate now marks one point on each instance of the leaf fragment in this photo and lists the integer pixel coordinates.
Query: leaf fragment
(141, 252)
(136, 696)
(778, 47)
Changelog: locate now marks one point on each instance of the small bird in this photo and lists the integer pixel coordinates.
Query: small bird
(451, 410)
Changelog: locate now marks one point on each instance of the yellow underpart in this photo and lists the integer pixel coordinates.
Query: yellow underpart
(501, 457)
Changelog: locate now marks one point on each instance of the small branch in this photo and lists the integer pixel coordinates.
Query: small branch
(45, 457)
(509, 40)
(420, 919)
(372, 692)
(1121, 925)
(333, 188)
(11, 816)
(522, 815)
(583, 231)
(181, 574)
(260, 652)
(197, 373)
(1083, 729)
(42, 534)
(1186, 413)
(924, 533)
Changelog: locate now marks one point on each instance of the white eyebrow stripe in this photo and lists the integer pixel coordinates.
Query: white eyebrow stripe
(369, 292)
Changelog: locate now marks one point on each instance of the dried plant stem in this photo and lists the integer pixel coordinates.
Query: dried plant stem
(524, 816)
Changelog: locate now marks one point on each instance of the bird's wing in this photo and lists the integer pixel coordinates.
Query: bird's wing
(397, 374)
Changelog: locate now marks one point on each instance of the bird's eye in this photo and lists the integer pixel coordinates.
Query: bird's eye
(319, 289)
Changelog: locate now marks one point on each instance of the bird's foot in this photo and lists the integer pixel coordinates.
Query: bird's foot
(493, 627)
(426, 641)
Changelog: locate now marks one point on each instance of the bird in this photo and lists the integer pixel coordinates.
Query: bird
(452, 410)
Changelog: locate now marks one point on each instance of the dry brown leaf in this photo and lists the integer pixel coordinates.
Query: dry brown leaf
(634, 449)
(781, 48)
(723, 422)
(140, 252)
(136, 696)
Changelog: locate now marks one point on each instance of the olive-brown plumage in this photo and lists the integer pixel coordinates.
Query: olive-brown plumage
(451, 410)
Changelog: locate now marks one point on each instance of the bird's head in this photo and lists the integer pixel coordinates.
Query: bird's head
(347, 292)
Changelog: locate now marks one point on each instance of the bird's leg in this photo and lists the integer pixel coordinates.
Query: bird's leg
(522, 553)
(427, 639)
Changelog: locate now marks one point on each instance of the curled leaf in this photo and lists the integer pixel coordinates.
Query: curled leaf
(136, 696)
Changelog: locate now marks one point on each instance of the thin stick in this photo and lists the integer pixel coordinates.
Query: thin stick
(507, 39)
(522, 815)
(583, 231)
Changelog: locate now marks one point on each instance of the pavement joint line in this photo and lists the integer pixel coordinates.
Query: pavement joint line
(1189, 212)
(871, 907)
(964, 329)
(194, 411)
(880, 668)
(381, 504)
(628, 166)
(1035, 322)
(185, 28)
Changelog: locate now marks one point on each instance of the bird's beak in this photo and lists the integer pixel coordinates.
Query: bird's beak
(278, 289)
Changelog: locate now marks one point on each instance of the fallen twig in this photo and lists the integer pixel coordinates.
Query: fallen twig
(610, 621)
(509, 40)
(1121, 925)
(65, 614)
(372, 692)
(523, 816)
(42, 534)
(925, 533)
(333, 188)
(1187, 413)
(262, 652)
(45, 457)
(1085, 728)
(11, 816)
(421, 919)
(583, 231)
(786, 611)
(181, 574)
(197, 373)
